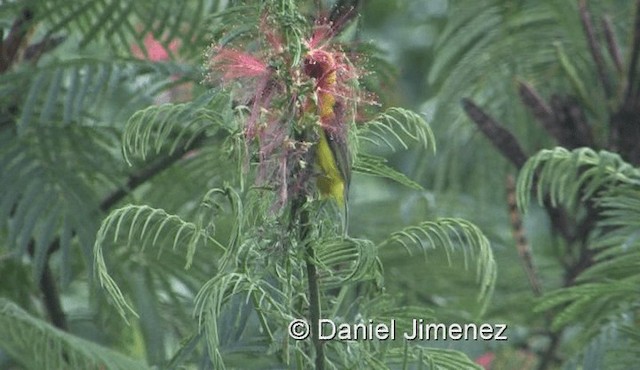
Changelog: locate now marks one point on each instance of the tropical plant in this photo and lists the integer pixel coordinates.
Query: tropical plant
(215, 237)
(559, 75)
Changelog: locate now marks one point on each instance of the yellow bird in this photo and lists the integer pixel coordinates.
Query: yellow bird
(333, 160)
(332, 156)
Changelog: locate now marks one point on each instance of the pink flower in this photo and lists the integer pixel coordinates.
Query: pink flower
(237, 64)
(486, 360)
(258, 88)
(275, 88)
(155, 50)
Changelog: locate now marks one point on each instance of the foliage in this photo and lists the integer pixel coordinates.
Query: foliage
(261, 273)
(550, 87)
(41, 346)
(206, 271)
(139, 182)
(605, 299)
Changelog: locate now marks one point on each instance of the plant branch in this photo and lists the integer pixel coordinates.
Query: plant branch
(570, 118)
(549, 356)
(521, 240)
(303, 222)
(540, 110)
(612, 43)
(10, 46)
(635, 53)
(564, 120)
(145, 174)
(594, 47)
(508, 145)
(34, 51)
(500, 137)
(51, 298)
(314, 305)
(49, 289)
(47, 283)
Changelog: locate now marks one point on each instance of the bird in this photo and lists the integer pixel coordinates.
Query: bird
(332, 154)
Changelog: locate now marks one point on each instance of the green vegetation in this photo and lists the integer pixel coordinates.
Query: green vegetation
(159, 205)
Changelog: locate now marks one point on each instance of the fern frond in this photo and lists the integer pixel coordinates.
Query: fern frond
(606, 290)
(620, 211)
(617, 237)
(573, 75)
(592, 302)
(614, 347)
(122, 23)
(569, 176)
(37, 345)
(242, 17)
(49, 187)
(377, 166)
(217, 291)
(453, 234)
(615, 263)
(397, 127)
(485, 46)
(355, 355)
(78, 90)
(155, 127)
(153, 227)
(345, 261)
(231, 198)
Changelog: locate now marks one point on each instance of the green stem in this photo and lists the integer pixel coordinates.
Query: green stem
(314, 289)
(314, 307)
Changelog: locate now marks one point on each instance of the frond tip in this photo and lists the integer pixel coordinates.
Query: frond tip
(377, 166)
(344, 261)
(453, 234)
(398, 126)
(151, 226)
(150, 129)
(568, 176)
(218, 290)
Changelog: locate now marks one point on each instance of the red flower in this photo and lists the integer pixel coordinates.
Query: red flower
(266, 77)
(236, 64)
(155, 51)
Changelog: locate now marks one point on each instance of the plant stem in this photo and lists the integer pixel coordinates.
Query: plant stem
(314, 307)
(51, 299)
(549, 357)
(522, 245)
(499, 136)
(48, 288)
(314, 289)
(147, 173)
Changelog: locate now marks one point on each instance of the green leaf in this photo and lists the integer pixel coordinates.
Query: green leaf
(569, 176)
(37, 345)
(453, 235)
(376, 166)
(154, 228)
(397, 126)
(345, 261)
(171, 125)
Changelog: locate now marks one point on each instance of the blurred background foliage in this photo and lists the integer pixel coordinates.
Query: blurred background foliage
(498, 81)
